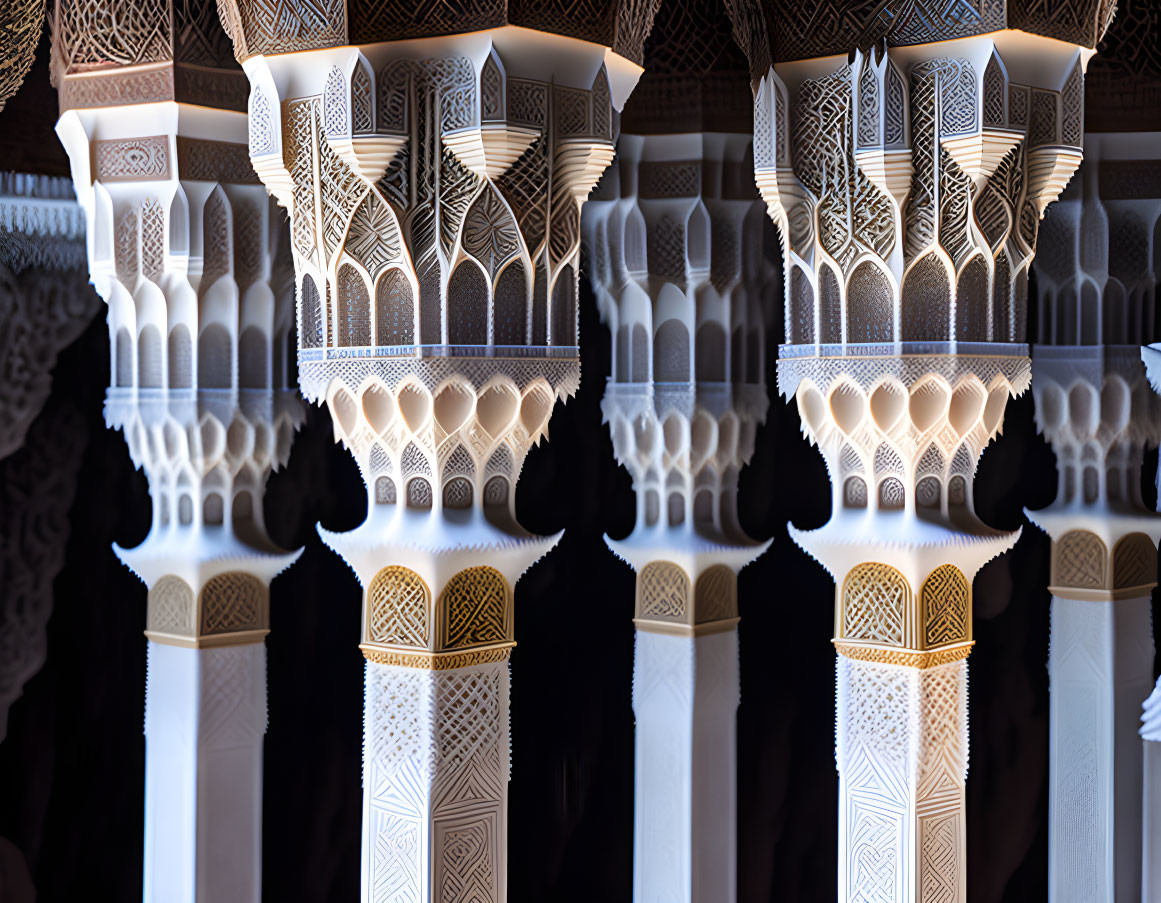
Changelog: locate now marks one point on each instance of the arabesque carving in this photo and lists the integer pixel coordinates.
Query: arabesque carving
(21, 24)
(907, 156)
(434, 193)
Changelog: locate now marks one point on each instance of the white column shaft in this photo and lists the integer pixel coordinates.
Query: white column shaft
(435, 784)
(1101, 669)
(205, 718)
(902, 760)
(685, 698)
(1151, 841)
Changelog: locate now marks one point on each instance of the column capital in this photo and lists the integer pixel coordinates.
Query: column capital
(117, 54)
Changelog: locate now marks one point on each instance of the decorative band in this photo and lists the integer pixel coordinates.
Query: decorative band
(436, 661)
(912, 658)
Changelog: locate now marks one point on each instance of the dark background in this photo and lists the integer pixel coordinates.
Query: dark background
(71, 769)
(72, 766)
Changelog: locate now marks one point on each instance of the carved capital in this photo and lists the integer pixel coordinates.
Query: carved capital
(681, 271)
(126, 52)
(257, 27)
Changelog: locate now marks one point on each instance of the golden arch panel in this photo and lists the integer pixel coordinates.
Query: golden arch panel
(234, 602)
(875, 601)
(399, 609)
(476, 609)
(1134, 561)
(946, 607)
(663, 592)
(715, 595)
(1080, 560)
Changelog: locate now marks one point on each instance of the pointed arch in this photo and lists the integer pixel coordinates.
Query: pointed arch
(394, 309)
(467, 303)
(311, 322)
(510, 306)
(870, 305)
(180, 357)
(354, 313)
(215, 358)
(926, 301)
(149, 357)
(564, 324)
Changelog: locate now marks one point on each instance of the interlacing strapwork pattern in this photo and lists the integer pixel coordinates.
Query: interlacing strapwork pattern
(399, 609)
(436, 770)
(876, 599)
(234, 602)
(21, 22)
(1080, 560)
(894, 722)
(663, 592)
(946, 607)
(283, 26)
(1134, 561)
(715, 595)
(171, 607)
(913, 160)
(476, 609)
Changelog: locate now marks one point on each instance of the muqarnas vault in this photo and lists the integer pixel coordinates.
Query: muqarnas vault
(907, 157)
(433, 168)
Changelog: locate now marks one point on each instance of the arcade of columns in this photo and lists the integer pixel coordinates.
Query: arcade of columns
(422, 277)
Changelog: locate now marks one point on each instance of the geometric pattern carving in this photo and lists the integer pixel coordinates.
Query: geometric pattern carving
(171, 607)
(1134, 561)
(21, 22)
(1079, 560)
(475, 607)
(232, 602)
(876, 599)
(946, 601)
(467, 872)
(663, 592)
(715, 595)
(399, 605)
(940, 844)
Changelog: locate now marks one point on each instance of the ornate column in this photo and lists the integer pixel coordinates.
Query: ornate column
(907, 181)
(434, 179)
(1094, 406)
(182, 245)
(1151, 795)
(674, 236)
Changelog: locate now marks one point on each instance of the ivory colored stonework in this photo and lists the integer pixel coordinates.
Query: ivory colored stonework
(186, 249)
(907, 157)
(675, 236)
(433, 166)
(1095, 407)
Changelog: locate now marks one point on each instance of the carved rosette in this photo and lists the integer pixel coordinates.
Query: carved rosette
(675, 237)
(182, 246)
